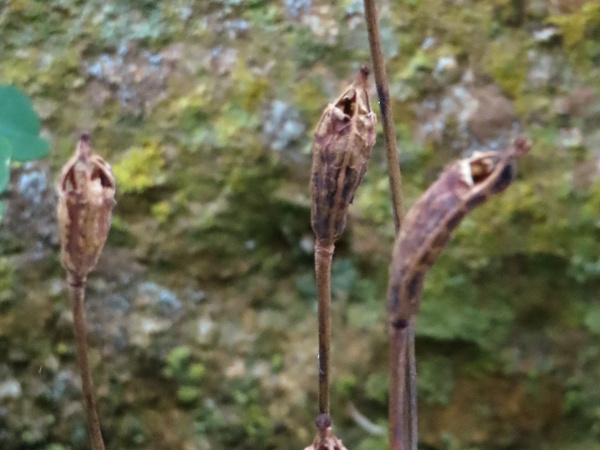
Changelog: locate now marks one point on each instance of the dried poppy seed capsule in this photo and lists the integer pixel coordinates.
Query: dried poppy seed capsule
(86, 192)
(428, 226)
(342, 146)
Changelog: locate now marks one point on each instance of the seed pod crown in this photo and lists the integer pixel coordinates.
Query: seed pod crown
(429, 223)
(86, 191)
(344, 138)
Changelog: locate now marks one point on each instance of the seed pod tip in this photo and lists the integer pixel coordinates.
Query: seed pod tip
(86, 191)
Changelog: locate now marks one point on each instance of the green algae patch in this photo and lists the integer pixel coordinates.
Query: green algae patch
(161, 211)
(436, 380)
(506, 62)
(579, 25)
(7, 280)
(579, 31)
(141, 168)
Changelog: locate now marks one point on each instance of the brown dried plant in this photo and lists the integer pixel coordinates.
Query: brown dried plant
(342, 145)
(403, 364)
(406, 284)
(426, 229)
(428, 226)
(86, 191)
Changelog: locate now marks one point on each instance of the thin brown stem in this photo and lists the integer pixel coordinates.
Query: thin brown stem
(412, 386)
(397, 431)
(411, 373)
(323, 258)
(387, 115)
(395, 176)
(77, 294)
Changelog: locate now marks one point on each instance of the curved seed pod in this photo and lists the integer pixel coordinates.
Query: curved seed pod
(342, 146)
(325, 439)
(428, 225)
(86, 192)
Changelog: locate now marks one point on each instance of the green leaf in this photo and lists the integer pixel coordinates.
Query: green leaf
(5, 153)
(20, 125)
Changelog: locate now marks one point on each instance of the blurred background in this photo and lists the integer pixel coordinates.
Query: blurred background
(202, 311)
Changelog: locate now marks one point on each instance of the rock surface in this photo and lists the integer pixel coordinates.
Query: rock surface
(201, 312)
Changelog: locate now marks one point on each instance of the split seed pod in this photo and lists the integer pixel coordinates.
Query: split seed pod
(428, 225)
(325, 439)
(86, 192)
(342, 146)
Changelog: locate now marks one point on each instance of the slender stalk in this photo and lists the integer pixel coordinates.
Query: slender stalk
(77, 294)
(397, 402)
(323, 258)
(397, 431)
(412, 386)
(387, 115)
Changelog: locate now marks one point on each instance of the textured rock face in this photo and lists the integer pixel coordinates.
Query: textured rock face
(480, 112)
(201, 309)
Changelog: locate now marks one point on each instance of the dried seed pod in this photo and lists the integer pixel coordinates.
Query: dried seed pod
(428, 225)
(86, 192)
(342, 146)
(325, 439)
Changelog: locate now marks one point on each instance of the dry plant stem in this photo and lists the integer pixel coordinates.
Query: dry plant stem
(323, 258)
(395, 177)
(343, 141)
(77, 294)
(412, 386)
(398, 344)
(387, 116)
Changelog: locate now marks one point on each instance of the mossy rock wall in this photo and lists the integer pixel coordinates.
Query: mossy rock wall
(202, 310)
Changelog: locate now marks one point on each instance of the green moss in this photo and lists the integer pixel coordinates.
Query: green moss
(363, 316)
(455, 309)
(420, 61)
(140, 168)
(506, 61)
(188, 394)
(582, 398)
(510, 12)
(62, 349)
(131, 430)
(196, 372)
(161, 211)
(177, 361)
(577, 25)
(7, 280)
(248, 87)
(233, 126)
(592, 319)
(266, 16)
(192, 107)
(308, 49)
(188, 374)
(18, 71)
(436, 381)
(377, 388)
(277, 362)
(579, 31)
(372, 199)
(120, 234)
(373, 443)
(256, 426)
(521, 272)
(309, 98)
(345, 385)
